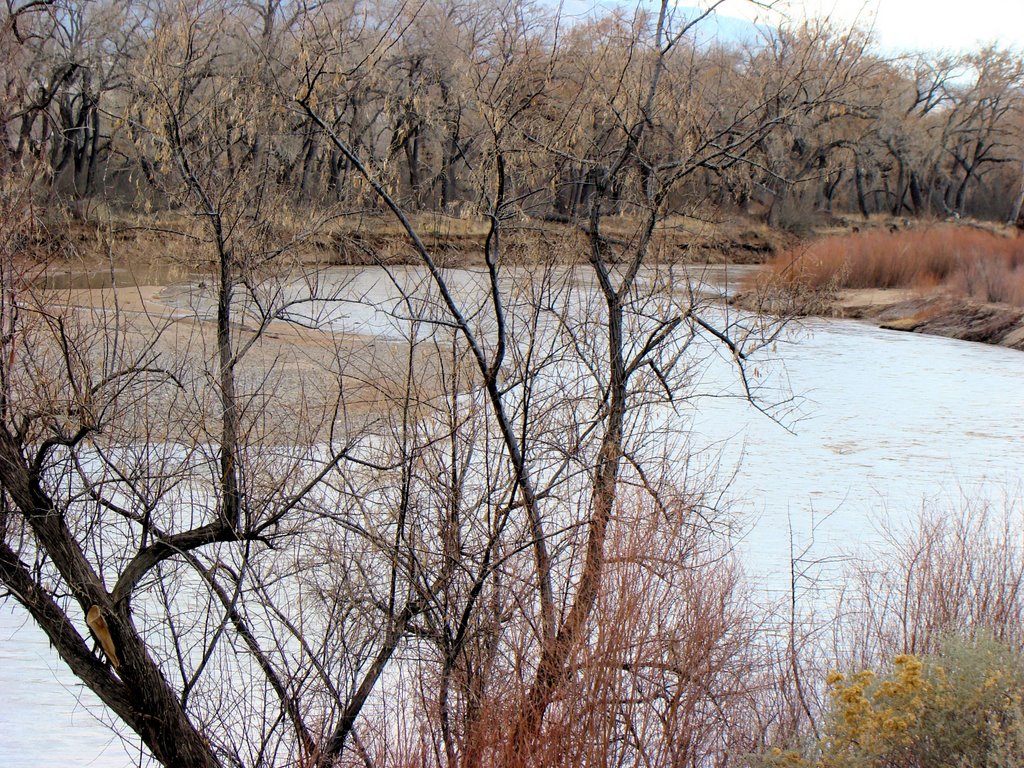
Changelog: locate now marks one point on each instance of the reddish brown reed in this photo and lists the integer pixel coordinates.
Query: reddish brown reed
(679, 668)
(963, 260)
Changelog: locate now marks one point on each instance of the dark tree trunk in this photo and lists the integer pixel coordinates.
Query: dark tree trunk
(900, 196)
(779, 200)
(308, 163)
(862, 197)
(831, 188)
(916, 195)
(138, 694)
(960, 198)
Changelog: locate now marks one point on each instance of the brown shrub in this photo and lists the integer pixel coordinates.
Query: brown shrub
(680, 667)
(945, 573)
(675, 670)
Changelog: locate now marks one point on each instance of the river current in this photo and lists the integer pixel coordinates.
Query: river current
(883, 424)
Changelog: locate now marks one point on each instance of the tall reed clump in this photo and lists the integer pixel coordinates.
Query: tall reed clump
(947, 572)
(963, 260)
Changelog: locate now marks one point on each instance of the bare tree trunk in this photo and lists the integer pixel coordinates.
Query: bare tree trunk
(780, 199)
(901, 189)
(862, 199)
(139, 694)
(1014, 219)
(831, 187)
(916, 195)
(960, 199)
(231, 507)
(309, 156)
(449, 156)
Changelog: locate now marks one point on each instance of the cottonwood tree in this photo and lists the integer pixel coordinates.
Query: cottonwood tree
(978, 130)
(828, 84)
(66, 70)
(889, 141)
(144, 477)
(615, 353)
(404, 540)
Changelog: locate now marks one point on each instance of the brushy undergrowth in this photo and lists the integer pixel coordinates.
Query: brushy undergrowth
(963, 260)
(960, 706)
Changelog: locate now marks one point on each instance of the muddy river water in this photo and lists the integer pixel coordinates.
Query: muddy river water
(883, 423)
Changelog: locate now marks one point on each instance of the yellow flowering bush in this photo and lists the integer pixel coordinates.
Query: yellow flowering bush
(873, 719)
(960, 708)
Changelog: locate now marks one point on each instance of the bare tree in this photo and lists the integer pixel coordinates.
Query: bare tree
(624, 354)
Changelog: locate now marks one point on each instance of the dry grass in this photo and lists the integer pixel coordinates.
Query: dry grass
(962, 260)
(358, 237)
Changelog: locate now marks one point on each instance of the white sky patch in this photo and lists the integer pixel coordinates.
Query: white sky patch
(906, 25)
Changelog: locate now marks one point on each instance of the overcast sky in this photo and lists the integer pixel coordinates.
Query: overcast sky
(915, 24)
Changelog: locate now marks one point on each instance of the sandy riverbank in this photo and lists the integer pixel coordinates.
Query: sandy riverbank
(294, 382)
(938, 314)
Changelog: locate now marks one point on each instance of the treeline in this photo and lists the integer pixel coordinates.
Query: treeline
(440, 97)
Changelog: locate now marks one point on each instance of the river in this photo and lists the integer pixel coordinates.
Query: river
(884, 423)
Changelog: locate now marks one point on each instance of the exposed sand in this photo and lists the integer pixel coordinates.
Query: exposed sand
(937, 313)
(295, 383)
(866, 300)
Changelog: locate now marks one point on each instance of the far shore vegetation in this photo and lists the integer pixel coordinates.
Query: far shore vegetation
(963, 260)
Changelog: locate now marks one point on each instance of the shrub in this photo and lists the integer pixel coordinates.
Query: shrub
(941, 572)
(959, 707)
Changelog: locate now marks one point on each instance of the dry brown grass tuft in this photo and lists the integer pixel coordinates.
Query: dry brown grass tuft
(962, 260)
